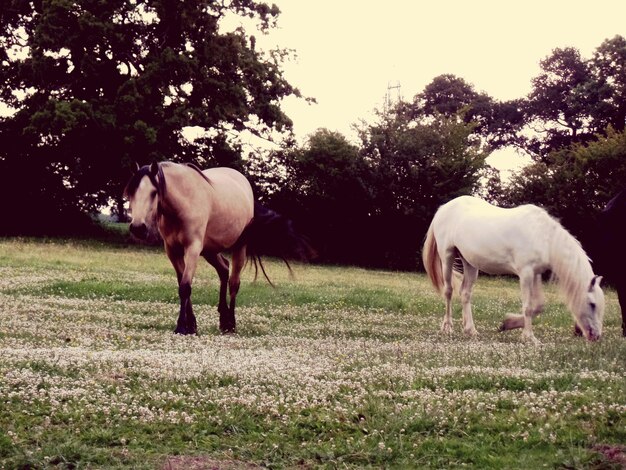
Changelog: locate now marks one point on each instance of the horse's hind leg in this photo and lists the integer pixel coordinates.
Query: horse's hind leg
(447, 263)
(470, 274)
(221, 266)
(238, 262)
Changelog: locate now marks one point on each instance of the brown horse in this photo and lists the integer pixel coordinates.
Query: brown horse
(204, 213)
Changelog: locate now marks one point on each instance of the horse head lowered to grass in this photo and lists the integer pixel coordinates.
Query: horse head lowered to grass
(525, 241)
(205, 213)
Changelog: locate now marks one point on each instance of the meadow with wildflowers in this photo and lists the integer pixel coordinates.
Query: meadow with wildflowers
(337, 367)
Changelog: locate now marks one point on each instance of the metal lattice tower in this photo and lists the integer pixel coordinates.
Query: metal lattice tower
(393, 95)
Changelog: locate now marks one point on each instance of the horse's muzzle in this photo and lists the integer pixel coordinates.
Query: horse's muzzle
(139, 230)
(592, 335)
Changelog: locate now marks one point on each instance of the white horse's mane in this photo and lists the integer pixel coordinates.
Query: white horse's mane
(570, 266)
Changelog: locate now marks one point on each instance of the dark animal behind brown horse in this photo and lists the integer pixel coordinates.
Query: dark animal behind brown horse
(205, 213)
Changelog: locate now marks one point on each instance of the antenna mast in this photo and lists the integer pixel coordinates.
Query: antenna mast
(393, 96)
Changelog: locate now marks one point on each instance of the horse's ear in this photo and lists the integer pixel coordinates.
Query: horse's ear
(595, 282)
(154, 168)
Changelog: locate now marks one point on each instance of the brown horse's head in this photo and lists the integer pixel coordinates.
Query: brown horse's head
(143, 191)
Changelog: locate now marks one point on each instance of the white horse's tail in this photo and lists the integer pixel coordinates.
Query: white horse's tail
(431, 260)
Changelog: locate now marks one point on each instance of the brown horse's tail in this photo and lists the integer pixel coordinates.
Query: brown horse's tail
(272, 234)
(431, 260)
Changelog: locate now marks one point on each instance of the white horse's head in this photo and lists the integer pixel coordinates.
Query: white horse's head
(142, 192)
(590, 315)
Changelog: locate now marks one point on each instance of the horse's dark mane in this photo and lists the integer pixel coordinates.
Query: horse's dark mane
(610, 248)
(160, 182)
(191, 165)
(133, 184)
(607, 244)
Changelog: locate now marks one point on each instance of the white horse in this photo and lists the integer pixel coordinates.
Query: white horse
(524, 241)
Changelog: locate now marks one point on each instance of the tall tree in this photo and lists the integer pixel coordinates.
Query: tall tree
(97, 85)
(497, 122)
(574, 100)
(418, 164)
(447, 95)
(422, 163)
(561, 105)
(578, 109)
(609, 68)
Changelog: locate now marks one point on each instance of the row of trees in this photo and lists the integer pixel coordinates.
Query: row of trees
(371, 202)
(93, 86)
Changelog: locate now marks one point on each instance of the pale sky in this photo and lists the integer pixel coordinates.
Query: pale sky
(349, 51)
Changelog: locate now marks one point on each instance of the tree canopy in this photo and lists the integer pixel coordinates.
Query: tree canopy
(452, 97)
(574, 99)
(97, 85)
(371, 203)
(424, 152)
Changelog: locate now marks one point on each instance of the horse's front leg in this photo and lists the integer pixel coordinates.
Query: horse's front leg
(529, 305)
(186, 324)
(536, 303)
(176, 256)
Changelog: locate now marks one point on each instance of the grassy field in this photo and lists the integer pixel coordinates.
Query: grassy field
(336, 368)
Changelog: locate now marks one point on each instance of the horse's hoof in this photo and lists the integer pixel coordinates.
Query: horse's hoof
(512, 321)
(531, 339)
(184, 331)
(502, 327)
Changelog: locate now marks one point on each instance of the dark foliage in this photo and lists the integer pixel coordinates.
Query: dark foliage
(95, 86)
(372, 206)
